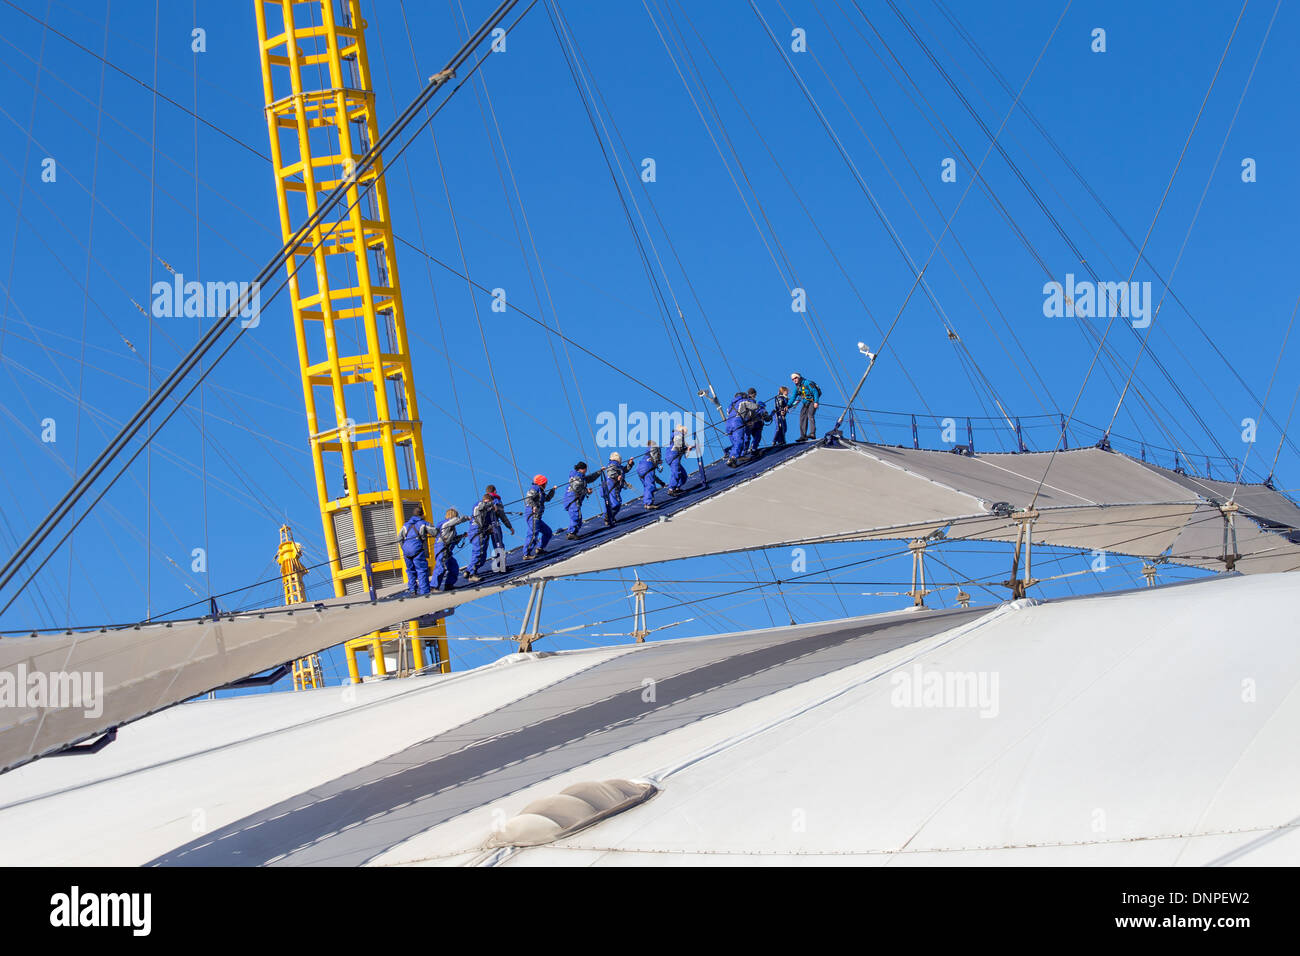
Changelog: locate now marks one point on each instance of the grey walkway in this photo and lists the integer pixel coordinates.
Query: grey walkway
(584, 717)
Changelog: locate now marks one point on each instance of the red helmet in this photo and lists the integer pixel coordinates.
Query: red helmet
(539, 479)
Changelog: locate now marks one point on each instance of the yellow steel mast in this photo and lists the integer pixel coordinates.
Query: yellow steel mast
(362, 412)
(306, 670)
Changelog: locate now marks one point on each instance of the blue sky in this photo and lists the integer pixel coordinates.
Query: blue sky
(139, 182)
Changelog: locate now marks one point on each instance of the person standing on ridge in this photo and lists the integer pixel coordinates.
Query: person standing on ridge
(446, 568)
(539, 532)
(615, 480)
(677, 450)
(780, 408)
(574, 495)
(646, 470)
(485, 527)
(743, 412)
(807, 395)
(415, 549)
(735, 429)
(760, 417)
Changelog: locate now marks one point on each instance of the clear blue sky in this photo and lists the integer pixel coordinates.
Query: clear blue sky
(140, 181)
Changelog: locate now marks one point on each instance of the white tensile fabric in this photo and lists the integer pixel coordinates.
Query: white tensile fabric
(151, 666)
(1086, 498)
(1089, 499)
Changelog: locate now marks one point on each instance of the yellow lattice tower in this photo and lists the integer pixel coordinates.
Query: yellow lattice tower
(362, 412)
(306, 670)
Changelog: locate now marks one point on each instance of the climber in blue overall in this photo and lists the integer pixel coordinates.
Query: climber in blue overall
(740, 416)
(539, 532)
(754, 428)
(613, 483)
(645, 470)
(484, 528)
(446, 569)
(415, 550)
(575, 494)
(677, 450)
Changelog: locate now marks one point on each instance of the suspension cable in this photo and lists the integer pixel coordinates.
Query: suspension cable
(196, 354)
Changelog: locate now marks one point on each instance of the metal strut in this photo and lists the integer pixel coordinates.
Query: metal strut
(1024, 535)
(919, 590)
(639, 628)
(530, 629)
(1230, 555)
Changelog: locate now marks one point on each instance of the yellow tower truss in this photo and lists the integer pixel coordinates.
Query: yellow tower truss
(363, 418)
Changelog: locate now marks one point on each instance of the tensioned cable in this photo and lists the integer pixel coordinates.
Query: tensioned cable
(940, 128)
(287, 251)
(663, 229)
(478, 317)
(148, 369)
(1147, 238)
(972, 537)
(971, 368)
(793, 190)
(1267, 392)
(85, 306)
(22, 180)
(809, 315)
(1079, 256)
(791, 281)
(509, 170)
(1209, 179)
(596, 94)
(89, 297)
(884, 557)
(459, 417)
(1101, 204)
(135, 79)
(251, 149)
(919, 274)
(866, 90)
(1085, 326)
(1285, 429)
(998, 205)
(198, 268)
(567, 44)
(494, 143)
(241, 250)
(1047, 212)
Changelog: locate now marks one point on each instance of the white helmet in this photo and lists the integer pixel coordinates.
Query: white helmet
(615, 456)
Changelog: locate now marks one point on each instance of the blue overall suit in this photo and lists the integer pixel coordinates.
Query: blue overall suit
(735, 429)
(445, 568)
(780, 407)
(485, 527)
(573, 498)
(613, 485)
(416, 552)
(539, 532)
(645, 470)
(754, 431)
(676, 452)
